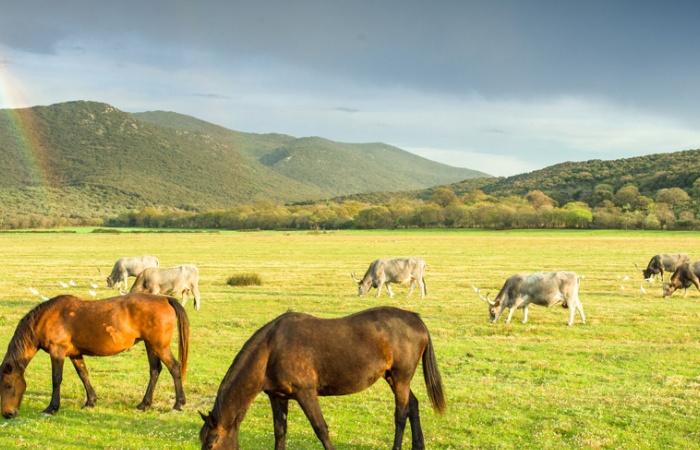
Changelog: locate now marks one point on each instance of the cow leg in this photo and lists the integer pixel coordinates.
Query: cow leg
(81, 368)
(413, 285)
(184, 297)
(579, 307)
(379, 288)
(280, 407)
(308, 401)
(388, 289)
(195, 294)
(524, 314)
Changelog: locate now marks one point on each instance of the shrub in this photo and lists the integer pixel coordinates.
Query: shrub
(246, 279)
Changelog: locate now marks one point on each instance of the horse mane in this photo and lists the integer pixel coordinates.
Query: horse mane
(251, 345)
(25, 337)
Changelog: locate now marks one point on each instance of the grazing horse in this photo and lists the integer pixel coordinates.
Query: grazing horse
(69, 327)
(298, 356)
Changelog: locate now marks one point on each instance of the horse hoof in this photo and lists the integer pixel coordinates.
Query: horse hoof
(142, 407)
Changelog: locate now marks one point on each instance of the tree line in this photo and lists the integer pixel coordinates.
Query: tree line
(624, 208)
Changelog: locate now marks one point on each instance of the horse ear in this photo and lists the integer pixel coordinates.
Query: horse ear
(7, 369)
(209, 420)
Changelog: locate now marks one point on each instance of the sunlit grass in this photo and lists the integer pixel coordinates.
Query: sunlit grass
(627, 379)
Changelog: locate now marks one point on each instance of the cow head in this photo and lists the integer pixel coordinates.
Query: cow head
(12, 387)
(110, 280)
(648, 273)
(362, 286)
(494, 306)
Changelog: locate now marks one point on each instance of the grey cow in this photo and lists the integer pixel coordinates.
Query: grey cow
(384, 271)
(182, 279)
(130, 266)
(663, 262)
(544, 289)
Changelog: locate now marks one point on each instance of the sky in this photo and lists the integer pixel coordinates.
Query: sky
(504, 87)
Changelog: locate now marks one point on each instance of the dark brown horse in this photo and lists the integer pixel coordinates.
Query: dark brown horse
(298, 356)
(68, 327)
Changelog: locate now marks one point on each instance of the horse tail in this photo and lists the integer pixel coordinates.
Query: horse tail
(183, 326)
(433, 381)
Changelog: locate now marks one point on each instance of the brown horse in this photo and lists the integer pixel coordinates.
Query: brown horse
(67, 326)
(298, 356)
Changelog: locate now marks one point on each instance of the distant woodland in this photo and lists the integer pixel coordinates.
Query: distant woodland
(86, 163)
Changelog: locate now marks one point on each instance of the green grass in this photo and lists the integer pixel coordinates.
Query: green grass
(628, 379)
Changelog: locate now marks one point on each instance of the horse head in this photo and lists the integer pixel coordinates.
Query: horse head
(214, 436)
(12, 387)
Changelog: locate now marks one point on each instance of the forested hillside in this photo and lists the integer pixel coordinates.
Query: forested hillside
(84, 161)
(652, 192)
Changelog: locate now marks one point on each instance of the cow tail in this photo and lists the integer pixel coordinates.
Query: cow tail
(425, 287)
(183, 326)
(433, 381)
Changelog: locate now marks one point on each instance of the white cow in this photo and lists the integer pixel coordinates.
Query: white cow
(129, 266)
(544, 289)
(383, 272)
(182, 279)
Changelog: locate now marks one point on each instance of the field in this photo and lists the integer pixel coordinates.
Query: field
(629, 378)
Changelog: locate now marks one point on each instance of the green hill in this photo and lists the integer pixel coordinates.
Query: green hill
(88, 159)
(573, 181)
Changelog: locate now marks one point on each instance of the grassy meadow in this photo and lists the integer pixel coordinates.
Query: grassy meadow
(629, 378)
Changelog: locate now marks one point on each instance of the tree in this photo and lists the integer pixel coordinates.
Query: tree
(626, 196)
(444, 196)
(539, 200)
(672, 196)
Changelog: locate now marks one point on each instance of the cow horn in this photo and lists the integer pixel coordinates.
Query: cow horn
(487, 299)
(98, 269)
(637, 267)
(352, 274)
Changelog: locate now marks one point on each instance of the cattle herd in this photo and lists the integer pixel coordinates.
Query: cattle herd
(518, 292)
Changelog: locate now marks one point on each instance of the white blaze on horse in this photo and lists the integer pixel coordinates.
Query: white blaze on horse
(384, 271)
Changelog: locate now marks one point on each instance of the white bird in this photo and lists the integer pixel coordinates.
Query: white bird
(34, 291)
(72, 283)
(64, 285)
(93, 285)
(44, 298)
(642, 289)
(626, 278)
(650, 280)
(622, 287)
(93, 293)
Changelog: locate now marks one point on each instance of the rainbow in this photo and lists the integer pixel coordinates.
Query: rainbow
(21, 126)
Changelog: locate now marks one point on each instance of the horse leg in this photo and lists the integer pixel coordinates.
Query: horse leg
(280, 406)
(155, 368)
(309, 404)
(414, 418)
(173, 366)
(56, 379)
(401, 398)
(81, 368)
